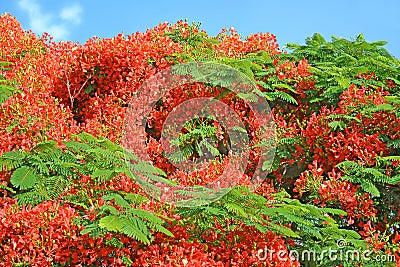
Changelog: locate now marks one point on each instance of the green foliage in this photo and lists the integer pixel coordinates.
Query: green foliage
(260, 69)
(336, 65)
(257, 69)
(285, 149)
(200, 138)
(48, 171)
(120, 214)
(371, 178)
(341, 121)
(273, 96)
(309, 224)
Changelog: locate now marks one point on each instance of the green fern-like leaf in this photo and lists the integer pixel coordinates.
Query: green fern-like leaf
(12, 160)
(78, 146)
(137, 229)
(111, 223)
(348, 165)
(24, 177)
(337, 125)
(288, 141)
(250, 97)
(135, 199)
(283, 230)
(271, 96)
(369, 187)
(45, 146)
(119, 200)
(103, 174)
(343, 116)
(159, 228)
(392, 158)
(394, 180)
(108, 209)
(30, 198)
(55, 185)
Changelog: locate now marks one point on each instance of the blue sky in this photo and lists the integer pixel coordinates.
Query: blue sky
(290, 20)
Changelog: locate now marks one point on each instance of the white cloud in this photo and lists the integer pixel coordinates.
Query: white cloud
(41, 22)
(72, 14)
